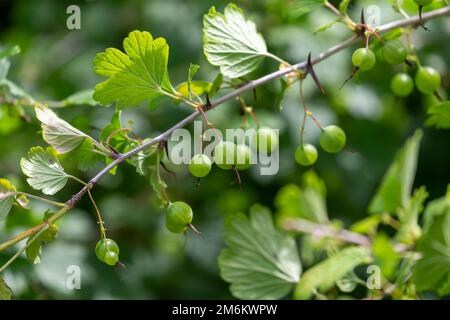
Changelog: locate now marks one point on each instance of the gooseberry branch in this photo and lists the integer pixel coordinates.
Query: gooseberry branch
(413, 21)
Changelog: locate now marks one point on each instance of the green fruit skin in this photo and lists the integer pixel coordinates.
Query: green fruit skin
(423, 2)
(268, 138)
(332, 139)
(178, 216)
(104, 246)
(402, 84)
(306, 155)
(200, 165)
(394, 52)
(428, 80)
(111, 258)
(243, 155)
(364, 59)
(224, 155)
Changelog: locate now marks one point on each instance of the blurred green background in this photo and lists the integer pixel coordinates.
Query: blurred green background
(56, 62)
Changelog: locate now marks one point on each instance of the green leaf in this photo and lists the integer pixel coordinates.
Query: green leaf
(84, 156)
(367, 225)
(231, 42)
(5, 291)
(14, 50)
(439, 116)
(140, 74)
(343, 6)
(7, 191)
(281, 94)
(84, 97)
(324, 275)
(298, 8)
(196, 87)
(432, 271)
(410, 230)
(385, 255)
(43, 170)
(308, 202)
(34, 250)
(57, 132)
(215, 87)
(326, 26)
(193, 69)
(159, 187)
(395, 189)
(15, 90)
(4, 69)
(260, 261)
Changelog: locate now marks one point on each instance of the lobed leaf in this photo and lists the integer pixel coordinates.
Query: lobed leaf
(260, 261)
(324, 275)
(43, 170)
(140, 74)
(231, 42)
(56, 132)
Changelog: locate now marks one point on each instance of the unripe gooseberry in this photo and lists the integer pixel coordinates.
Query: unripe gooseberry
(266, 139)
(200, 166)
(394, 52)
(428, 80)
(402, 84)
(423, 3)
(107, 251)
(364, 59)
(242, 158)
(306, 155)
(332, 139)
(178, 217)
(224, 155)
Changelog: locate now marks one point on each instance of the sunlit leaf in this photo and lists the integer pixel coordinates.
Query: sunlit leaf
(5, 291)
(231, 42)
(7, 191)
(57, 132)
(260, 261)
(43, 170)
(84, 97)
(385, 255)
(324, 275)
(197, 87)
(395, 189)
(140, 74)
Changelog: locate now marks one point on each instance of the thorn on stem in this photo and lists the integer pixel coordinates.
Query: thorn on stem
(355, 70)
(238, 177)
(191, 226)
(310, 70)
(198, 183)
(422, 24)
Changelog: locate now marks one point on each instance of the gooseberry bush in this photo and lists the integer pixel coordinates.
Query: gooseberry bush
(266, 255)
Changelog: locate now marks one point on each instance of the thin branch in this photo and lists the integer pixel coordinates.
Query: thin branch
(325, 231)
(328, 231)
(413, 21)
(32, 196)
